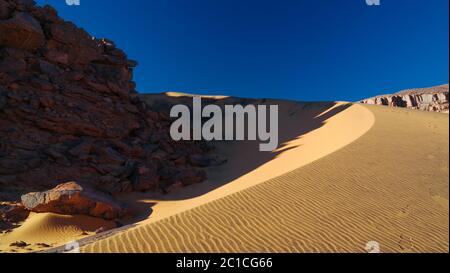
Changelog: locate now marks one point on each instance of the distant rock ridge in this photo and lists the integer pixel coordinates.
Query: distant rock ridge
(434, 99)
(69, 112)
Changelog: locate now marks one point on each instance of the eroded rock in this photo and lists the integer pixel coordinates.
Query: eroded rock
(21, 31)
(72, 198)
(434, 99)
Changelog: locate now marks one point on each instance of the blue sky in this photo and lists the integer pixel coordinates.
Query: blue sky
(307, 50)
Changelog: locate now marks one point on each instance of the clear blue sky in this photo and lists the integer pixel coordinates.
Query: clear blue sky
(301, 49)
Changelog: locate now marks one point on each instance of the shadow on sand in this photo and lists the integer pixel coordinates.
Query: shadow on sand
(296, 119)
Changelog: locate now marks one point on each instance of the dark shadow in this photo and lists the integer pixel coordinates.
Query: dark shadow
(311, 116)
(139, 211)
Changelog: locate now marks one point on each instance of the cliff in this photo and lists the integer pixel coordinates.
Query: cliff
(69, 112)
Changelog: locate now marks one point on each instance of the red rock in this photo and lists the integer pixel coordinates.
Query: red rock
(180, 161)
(20, 244)
(55, 56)
(190, 176)
(71, 198)
(46, 14)
(11, 214)
(49, 69)
(43, 245)
(82, 150)
(199, 160)
(21, 31)
(11, 65)
(70, 112)
(175, 186)
(434, 99)
(145, 178)
(42, 84)
(5, 10)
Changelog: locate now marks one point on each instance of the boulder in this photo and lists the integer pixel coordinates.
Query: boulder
(71, 198)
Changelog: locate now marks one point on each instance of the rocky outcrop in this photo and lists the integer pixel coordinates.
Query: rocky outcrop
(11, 214)
(22, 31)
(69, 112)
(71, 198)
(435, 99)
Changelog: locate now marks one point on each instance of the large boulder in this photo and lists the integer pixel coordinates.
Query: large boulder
(72, 198)
(22, 31)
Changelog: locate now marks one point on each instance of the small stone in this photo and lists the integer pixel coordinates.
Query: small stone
(20, 244)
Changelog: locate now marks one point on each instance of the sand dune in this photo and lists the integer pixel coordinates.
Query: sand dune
(53, 230)
(389, 186)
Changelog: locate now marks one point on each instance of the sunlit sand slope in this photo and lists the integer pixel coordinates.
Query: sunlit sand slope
(307, 132)
(388, 186)
(52, 230)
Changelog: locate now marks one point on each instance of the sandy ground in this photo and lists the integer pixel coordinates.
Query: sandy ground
(344, 175)
(52, 230)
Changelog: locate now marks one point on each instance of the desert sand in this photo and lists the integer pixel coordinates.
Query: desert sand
(52, 230)
(345, 174)
(389, 185)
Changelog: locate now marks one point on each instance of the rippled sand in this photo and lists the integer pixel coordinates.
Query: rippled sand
(388, 186)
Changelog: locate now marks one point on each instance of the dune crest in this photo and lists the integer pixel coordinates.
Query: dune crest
(336, 132)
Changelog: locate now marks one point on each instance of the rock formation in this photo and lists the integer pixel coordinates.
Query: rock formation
(435, 99)
(71, 198)
(11, 214)
(69, 112)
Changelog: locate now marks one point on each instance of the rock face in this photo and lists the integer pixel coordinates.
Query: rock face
(69, 112)
(22, 31)
(11, 214)
(71, 198)
(435, 99)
